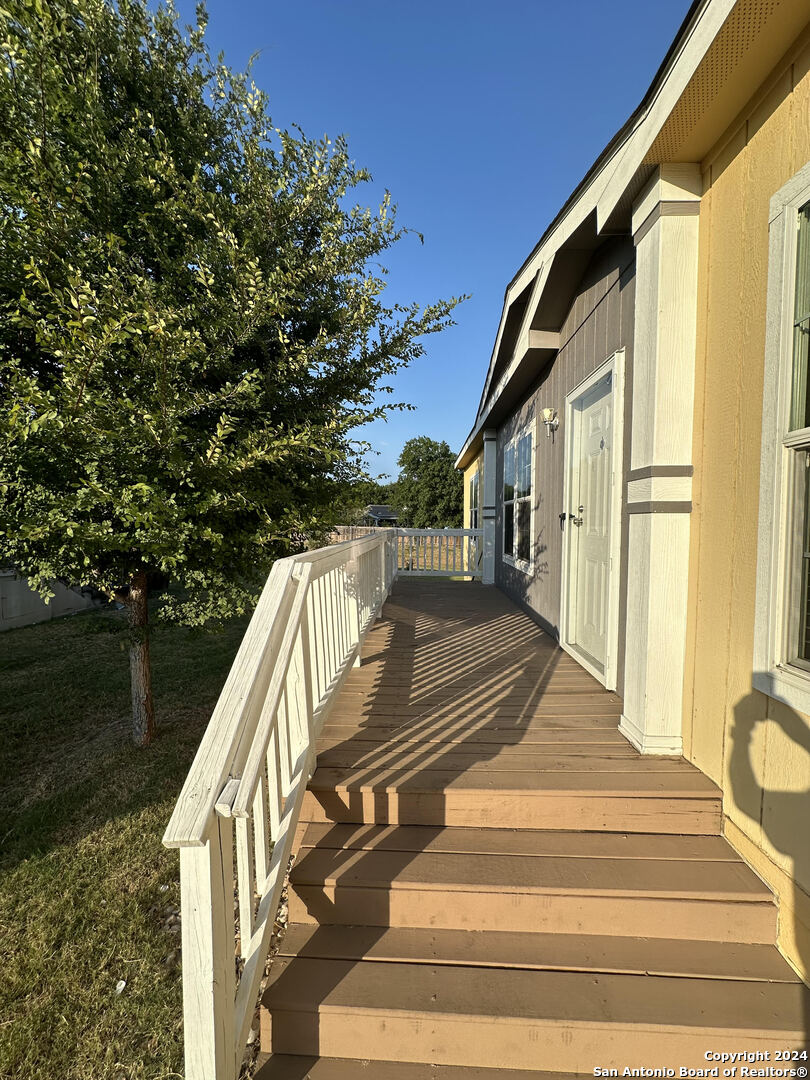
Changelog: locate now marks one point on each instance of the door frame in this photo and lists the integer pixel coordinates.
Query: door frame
(613, 364)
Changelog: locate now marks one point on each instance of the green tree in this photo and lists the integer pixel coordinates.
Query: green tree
(429, 492)
(359, 494)
(190, 331)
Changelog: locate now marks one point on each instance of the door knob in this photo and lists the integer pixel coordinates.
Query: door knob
(580, 519)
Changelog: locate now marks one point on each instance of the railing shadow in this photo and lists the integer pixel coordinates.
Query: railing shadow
(452, 676)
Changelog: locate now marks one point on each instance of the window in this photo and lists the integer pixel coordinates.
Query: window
(782, 631)
(798, 435)
(517, 500)
(474, 501)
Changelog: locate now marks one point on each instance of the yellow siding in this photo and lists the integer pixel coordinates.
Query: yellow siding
(476, 466)
(751, 746)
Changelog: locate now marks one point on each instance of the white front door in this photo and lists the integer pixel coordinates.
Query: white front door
(588, 525)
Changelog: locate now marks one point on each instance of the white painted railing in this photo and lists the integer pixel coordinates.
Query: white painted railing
(236, 816)
(445, 552)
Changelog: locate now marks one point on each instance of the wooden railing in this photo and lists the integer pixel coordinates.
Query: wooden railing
(236, 816)
(453, 552)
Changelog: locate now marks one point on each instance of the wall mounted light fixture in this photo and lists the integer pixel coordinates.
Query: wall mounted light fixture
(551, 420)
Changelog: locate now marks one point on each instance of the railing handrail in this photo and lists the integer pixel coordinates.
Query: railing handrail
(438, 532)
(211, 767)
(188, 825)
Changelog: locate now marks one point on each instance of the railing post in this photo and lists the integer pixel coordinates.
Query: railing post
(209, 955)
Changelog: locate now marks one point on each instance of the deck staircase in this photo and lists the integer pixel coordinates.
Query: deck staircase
(491, 883)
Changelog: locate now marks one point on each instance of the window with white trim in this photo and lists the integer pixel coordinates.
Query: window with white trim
(797, 439)
(517, 500)
(474, 489)
(782, 629)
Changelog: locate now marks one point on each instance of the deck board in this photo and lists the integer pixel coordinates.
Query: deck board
(458, 688)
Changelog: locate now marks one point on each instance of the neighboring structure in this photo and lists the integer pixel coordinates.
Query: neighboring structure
(639, 458)
(380, 516)
(21, 606)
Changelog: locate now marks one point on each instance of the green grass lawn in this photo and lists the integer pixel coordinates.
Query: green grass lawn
(86, 889)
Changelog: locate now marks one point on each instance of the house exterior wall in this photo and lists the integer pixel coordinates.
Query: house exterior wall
(735, 734)
(599, 322)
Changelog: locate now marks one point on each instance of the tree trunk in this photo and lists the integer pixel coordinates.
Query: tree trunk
(143, 708)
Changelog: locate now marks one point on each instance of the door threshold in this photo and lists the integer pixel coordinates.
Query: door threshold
(585, 660)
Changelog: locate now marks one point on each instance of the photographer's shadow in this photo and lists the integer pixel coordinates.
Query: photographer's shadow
(782, 813)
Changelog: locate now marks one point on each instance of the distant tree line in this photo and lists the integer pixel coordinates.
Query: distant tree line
(427, 494)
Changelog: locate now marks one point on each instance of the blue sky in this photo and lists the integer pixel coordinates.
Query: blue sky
(479, 117)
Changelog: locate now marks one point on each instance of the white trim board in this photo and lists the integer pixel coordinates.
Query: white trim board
(773, 674)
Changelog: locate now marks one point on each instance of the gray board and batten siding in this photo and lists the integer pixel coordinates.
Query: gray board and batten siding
(599, 322)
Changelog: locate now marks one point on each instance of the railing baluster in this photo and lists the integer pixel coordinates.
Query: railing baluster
(283, 725)
(316, 639)
(307, 695)
(261, 833)
(245, 876)
(274, 778)
(329, 615)
(343, 600)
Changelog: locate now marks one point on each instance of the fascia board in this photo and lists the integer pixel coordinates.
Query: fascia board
(507, 303)
(464, 452)
(539, 267)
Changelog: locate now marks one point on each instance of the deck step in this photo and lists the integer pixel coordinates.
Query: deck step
(540, 952)
(480, 741)
(537, 842)
(614, 759)
(520, 1019)
(556, 893)
(646, 800)
(290, 1067)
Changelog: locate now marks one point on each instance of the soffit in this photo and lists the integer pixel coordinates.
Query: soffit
(750, 43)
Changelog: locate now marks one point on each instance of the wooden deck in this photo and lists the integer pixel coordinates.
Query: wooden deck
(460, 692)
(491, 882)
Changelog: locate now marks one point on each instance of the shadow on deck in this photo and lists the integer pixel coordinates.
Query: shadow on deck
(482, 847)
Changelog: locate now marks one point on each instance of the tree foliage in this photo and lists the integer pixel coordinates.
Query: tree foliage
(429, 492)
(191, 315)
(360, 494)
